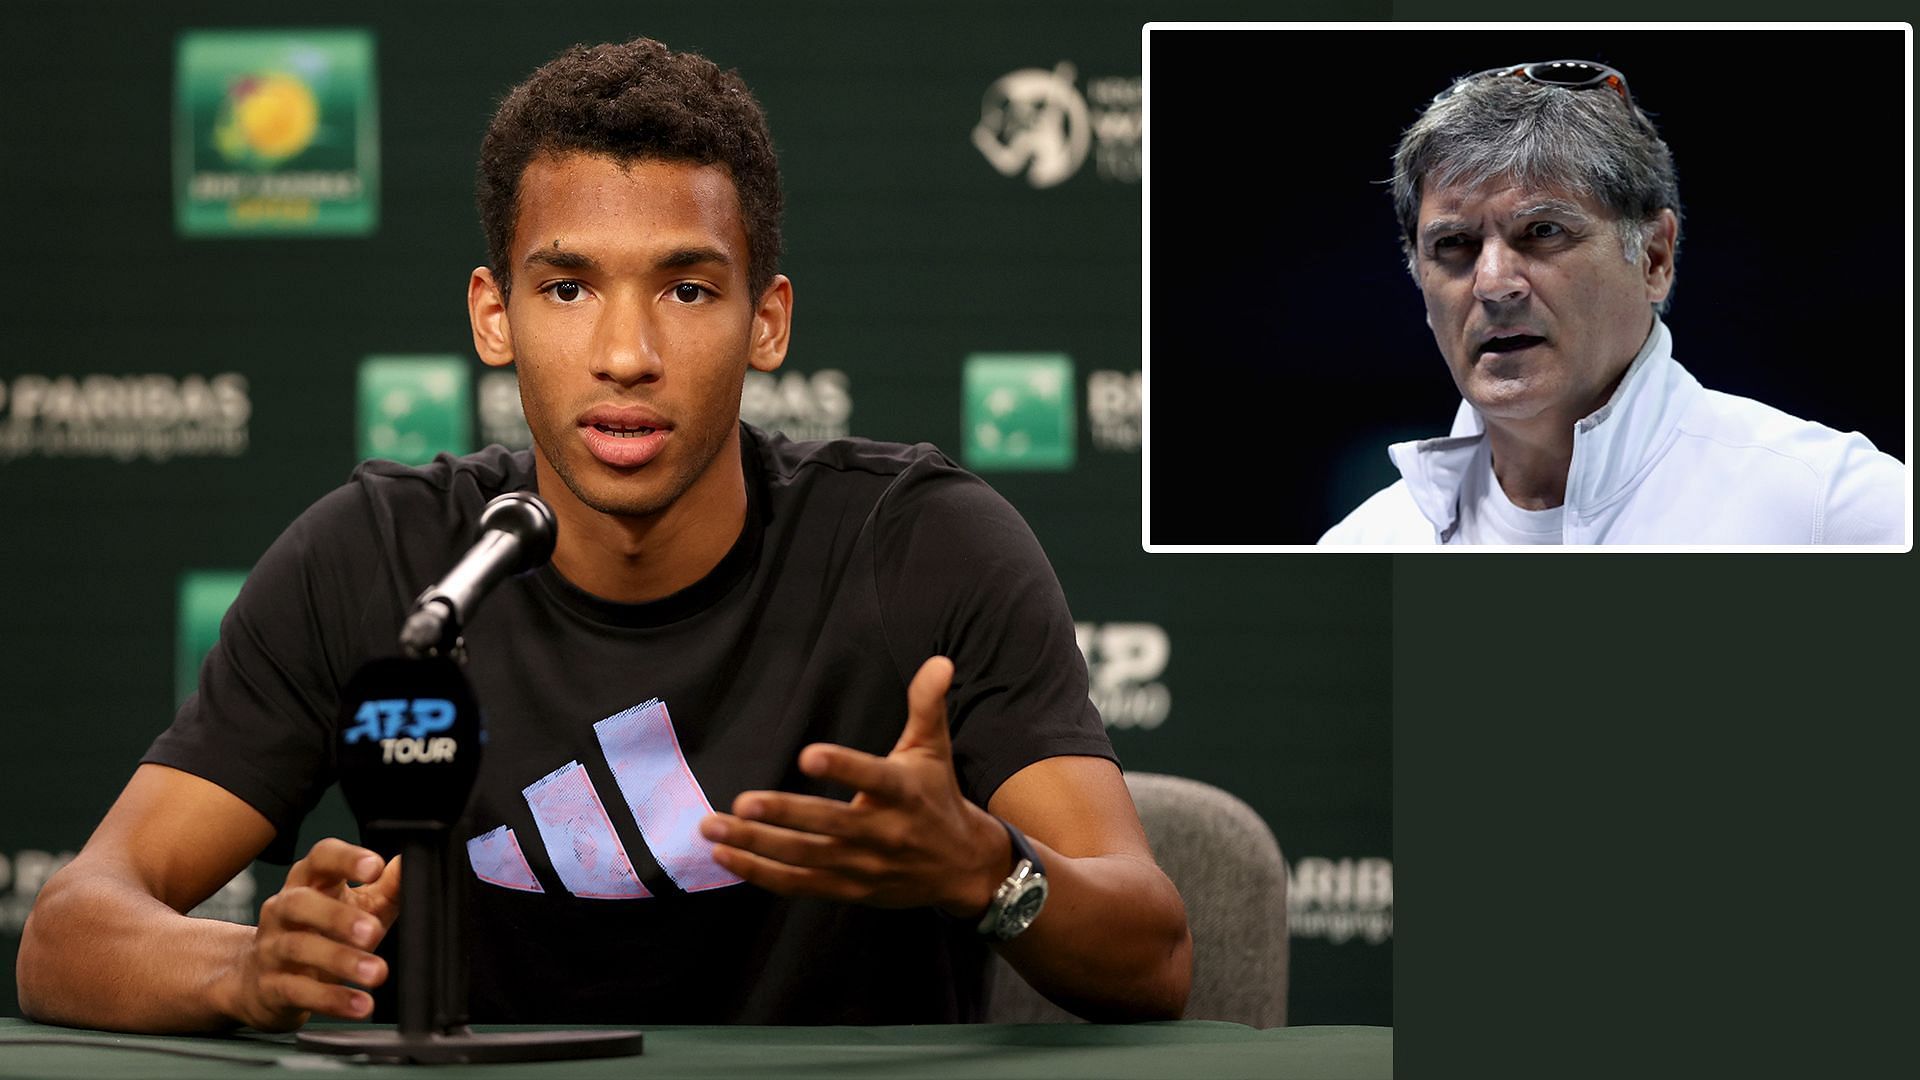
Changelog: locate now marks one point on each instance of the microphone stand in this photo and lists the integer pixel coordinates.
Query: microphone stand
(432, 976)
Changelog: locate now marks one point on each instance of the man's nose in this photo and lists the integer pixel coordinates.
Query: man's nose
(626, 347)
(1499, 274)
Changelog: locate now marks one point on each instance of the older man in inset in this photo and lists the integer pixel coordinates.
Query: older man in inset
(1541, 218)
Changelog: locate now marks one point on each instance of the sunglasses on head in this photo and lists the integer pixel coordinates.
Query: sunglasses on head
(1566, 74)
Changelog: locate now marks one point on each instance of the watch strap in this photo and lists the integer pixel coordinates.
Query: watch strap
(1021, 848)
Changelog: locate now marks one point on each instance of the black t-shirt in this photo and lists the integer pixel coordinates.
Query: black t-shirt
(613, 727)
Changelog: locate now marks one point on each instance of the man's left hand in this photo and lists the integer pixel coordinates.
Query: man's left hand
(908, 838)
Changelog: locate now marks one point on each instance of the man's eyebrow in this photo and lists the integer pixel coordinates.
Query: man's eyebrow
(1556, 207)
(694, 256)
(1442, 225)
(560, 260)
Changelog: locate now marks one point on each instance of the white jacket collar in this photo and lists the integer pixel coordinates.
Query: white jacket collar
(1612, 447)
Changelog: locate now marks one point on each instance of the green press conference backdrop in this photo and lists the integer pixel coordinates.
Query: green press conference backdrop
(241, 236)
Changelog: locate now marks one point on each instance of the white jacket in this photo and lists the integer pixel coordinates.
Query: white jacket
(1665, 461)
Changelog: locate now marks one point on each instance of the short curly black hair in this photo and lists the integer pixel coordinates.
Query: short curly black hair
(631, 102)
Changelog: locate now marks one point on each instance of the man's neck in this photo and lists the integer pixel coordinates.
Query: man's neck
(1530, 461)
(633, 559)
(1532, 456)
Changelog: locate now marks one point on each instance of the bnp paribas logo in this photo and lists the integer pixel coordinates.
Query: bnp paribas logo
(205, 596)
(413, 407)
(1018, 411)
(275, 132)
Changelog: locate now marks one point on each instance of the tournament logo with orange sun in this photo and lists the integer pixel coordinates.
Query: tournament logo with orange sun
(275, 132)
(266, 119)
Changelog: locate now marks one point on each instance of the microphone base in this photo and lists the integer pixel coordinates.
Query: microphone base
(389, 1046)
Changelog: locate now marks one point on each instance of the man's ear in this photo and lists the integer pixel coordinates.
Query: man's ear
(772, 323)
(1657, 265)
(487, 311)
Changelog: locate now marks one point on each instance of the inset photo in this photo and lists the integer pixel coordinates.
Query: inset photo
(1498, 287)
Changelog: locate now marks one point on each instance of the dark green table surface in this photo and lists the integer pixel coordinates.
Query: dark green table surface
(1192, 1048)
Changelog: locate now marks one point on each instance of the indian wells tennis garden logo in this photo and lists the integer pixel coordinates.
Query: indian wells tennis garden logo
(275, 133)
(1018, 411)
(413, 407)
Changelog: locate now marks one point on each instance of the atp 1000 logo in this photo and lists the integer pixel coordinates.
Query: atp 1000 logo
(1124, 664)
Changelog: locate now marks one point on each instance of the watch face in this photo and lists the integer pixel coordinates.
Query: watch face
(1024, 907)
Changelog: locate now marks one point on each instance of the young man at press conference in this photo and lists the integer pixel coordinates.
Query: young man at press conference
(802, 621)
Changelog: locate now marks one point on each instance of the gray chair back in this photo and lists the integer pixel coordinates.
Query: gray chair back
(1228, 868)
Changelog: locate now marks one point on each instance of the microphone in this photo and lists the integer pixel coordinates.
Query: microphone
(410, 739)
(516, 535)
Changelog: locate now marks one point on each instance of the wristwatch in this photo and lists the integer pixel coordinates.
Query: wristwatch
(1017, 902)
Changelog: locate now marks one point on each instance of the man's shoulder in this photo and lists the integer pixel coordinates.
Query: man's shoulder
(901, 497)
(440, 497)
(847, 458)
(858, 474)
(1389, 518)
(1738, 420)
(1858, 493)
(1735, 424)
(385, 506)
(487, 472)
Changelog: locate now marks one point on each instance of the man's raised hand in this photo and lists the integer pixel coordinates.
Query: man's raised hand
(908, 838)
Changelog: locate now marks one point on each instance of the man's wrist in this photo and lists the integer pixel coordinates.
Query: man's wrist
(226, 990)
(990, 864)
(1018, 900)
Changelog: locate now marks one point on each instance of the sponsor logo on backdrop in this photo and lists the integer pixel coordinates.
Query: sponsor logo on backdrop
(1017, 411)
(1113, 410)
(204, 597)
(1115, 103)
(275, 132)
(124, 417)
(22, 873)
(1125, 661)
(502, 420)
(1038, 123)
(413, 407)
(801, 406)
(1340, 900)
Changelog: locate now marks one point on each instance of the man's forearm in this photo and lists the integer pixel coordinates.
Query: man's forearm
(1112, 942)
(99, 952)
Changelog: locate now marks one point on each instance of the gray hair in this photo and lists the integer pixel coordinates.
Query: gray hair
(1583, 141)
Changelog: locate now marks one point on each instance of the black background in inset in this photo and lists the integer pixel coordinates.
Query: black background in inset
(1288, 343)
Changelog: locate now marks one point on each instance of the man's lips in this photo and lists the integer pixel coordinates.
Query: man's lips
(624, 436)
(1499, 344)
(623, 418)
